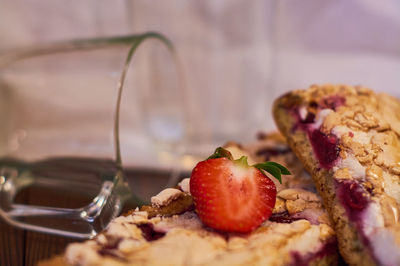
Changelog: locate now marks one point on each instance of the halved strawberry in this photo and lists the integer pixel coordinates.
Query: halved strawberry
(229, 195)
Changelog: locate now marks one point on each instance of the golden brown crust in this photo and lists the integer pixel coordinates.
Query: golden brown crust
(183, 203)
(322, 180)
(360, 113)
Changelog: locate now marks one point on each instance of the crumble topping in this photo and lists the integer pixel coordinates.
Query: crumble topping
(177, 205)
(367, 126)
(124, 226)
(165, 196)
(82, 254)
(157, 235)
(294, 204)
(298, 200)
(352, 168)
(297, 193)
(321, 118)
(371, 151)
(183, 236)
(184, 185)
(280, 205)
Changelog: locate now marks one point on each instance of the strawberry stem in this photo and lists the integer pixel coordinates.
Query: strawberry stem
(221, 153)
(242, 161)
(275, 169)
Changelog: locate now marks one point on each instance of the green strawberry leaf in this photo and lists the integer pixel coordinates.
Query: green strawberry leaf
(221, 153)
(275, 169)
(283, 169)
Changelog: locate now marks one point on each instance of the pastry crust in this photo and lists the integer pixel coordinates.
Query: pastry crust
(168, 232)
(365, 127)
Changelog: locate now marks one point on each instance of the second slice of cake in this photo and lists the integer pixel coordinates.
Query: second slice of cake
(348, 139)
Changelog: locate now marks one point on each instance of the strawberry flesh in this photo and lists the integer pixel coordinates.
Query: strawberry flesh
(231, 197)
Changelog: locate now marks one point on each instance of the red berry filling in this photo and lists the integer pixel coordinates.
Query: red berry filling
(353, 197)
(149, 233)
(329, 248)
(325, 147)
(310, 118)
(332, 102)
(283, 217)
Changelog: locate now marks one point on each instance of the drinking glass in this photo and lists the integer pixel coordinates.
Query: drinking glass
(75, 117)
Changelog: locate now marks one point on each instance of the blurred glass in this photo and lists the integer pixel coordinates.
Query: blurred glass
(62, 127)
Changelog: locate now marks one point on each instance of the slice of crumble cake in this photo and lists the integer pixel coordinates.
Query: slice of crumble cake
(348, 138)
(169, 231)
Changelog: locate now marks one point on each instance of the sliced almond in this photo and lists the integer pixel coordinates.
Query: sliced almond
(389, 108)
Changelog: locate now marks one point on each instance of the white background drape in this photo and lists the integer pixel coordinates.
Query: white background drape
(238, 55)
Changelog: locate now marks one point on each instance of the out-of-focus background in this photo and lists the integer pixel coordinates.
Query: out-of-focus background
(237, 57)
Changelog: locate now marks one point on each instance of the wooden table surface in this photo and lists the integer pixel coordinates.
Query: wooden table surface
(21, 247)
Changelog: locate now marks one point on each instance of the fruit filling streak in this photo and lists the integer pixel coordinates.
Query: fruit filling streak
(351, 194)
(325, 146)
(304, 260)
